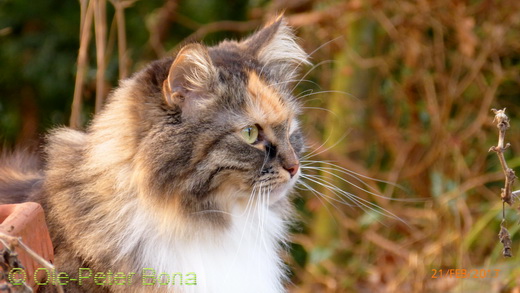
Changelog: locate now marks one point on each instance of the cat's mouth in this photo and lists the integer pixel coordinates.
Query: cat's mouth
(280, 187)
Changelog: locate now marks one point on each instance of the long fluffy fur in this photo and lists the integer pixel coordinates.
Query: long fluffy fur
(161, 179)
(20, 176)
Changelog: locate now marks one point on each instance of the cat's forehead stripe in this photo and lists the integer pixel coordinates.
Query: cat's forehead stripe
(266, 103)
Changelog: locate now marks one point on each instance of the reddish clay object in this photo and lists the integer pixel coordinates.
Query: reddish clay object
(27, 220)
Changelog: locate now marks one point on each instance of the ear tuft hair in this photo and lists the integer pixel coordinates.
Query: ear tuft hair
(191, 71)
(276, 48)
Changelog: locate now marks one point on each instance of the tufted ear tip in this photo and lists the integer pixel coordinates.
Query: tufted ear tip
(276, 47)
(276, 20)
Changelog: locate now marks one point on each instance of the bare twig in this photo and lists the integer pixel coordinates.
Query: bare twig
(11, 243)
(159, 28)
(100, 20)
(120, 7)
(75, 121)
(226, 25)
(503, 124)
(507, 195)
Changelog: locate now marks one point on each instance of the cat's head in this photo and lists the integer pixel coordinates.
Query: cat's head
(221, 123)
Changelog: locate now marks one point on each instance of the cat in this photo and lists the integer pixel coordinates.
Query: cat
(188, 170)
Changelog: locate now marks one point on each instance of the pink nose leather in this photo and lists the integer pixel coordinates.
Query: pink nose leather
(292, 169)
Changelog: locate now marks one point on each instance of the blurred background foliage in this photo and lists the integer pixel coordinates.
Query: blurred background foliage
(401, 91)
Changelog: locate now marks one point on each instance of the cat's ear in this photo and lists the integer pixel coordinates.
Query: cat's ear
(191, 72)
(276, 48)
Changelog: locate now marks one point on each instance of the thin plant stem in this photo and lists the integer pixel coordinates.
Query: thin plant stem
(75, 116)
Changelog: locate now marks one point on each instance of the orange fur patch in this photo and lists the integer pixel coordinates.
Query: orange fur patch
(266, 104)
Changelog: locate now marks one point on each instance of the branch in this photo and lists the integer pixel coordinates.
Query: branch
(503, 124)
(100, 33)
(11, 243)
(161, 25)
(87, 15)
(507, 195)
(225, 25)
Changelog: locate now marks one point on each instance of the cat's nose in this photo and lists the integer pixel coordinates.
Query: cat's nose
(292, 169)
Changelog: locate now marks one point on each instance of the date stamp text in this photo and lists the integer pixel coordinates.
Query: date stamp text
(465, 273)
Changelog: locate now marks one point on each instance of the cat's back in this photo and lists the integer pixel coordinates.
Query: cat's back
(22, 171)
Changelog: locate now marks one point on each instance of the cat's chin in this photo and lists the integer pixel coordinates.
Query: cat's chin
(278, 193)
(282, 190)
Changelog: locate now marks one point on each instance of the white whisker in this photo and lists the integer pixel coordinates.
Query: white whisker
(328, 92)
(319, 108)
(247, 210)
(310, 70)
(294, 80)
(305, 92)
(314, 51)
(355, 199)
(316, 153)
(319, 196)
(333, 167)
(326, 170)
(323, 45)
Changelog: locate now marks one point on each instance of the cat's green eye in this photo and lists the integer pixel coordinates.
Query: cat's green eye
(250, 134)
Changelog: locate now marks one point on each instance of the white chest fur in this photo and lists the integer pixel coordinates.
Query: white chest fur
(244, 258)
